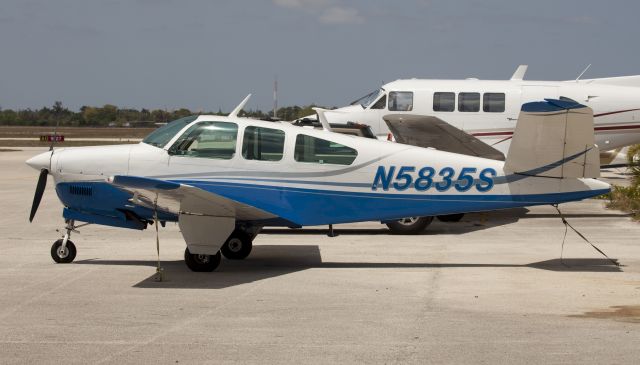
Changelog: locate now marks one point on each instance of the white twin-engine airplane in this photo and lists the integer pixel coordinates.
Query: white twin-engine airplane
(224, 178)
(489, 109)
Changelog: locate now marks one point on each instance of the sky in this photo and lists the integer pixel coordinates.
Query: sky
(208, 54)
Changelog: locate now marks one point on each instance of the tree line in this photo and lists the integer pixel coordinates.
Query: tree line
(111, 115)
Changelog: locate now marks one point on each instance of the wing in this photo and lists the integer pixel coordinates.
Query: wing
(206, 220)
(180, 198)
(428, 131)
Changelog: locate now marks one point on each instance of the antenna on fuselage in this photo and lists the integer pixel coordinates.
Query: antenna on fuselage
(519, 74)
(582, 73)
(234, 112)
(323, 119)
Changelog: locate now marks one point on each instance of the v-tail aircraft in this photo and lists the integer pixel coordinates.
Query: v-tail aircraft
(224, 178)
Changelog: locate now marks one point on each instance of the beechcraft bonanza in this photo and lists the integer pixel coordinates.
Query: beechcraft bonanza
(224, 178)
(488, 109)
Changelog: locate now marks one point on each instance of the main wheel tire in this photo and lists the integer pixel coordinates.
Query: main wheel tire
(63, 256)
(451, 217)
(201, 263)
(410, 225)
(238, 246)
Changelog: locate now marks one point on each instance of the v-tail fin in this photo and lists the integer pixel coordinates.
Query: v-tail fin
(554, 138)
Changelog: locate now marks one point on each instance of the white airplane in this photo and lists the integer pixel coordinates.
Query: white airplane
(224, 178)
(489, 109)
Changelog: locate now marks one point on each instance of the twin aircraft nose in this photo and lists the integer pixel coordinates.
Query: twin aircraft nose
(41, 161)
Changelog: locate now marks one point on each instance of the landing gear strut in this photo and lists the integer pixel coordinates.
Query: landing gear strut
(63, 251)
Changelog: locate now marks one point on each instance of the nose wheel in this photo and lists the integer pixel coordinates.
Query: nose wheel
(63, 254)
(63, 251)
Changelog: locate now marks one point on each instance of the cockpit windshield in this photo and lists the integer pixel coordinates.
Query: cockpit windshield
(366, 100)
(161, 136)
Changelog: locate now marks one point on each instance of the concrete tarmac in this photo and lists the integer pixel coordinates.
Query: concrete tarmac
(490, 289)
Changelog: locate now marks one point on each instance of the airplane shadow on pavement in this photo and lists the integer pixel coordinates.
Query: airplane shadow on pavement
(471, 222)
(268, 261)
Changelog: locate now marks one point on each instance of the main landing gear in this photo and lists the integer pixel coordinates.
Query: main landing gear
(237, 247)
(201, 263)
(63, 251)
(451, 217)
(409, 225)
(415, 225)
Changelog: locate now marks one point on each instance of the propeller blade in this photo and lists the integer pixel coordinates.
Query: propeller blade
(42, 183)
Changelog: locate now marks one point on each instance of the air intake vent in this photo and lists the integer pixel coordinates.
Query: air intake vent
(80, 190)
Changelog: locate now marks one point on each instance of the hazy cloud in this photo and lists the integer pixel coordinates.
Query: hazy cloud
(340, 15)
(302, 3)
(583, 19)
(325, 11)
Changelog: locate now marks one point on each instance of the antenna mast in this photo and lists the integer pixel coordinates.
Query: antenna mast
(275, 96)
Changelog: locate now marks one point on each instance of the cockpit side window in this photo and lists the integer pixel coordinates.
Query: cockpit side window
(161, 136)
(381, 103)
(265, 144)
(215, 140)
(401, 101)
(366, 100)
(316, 150)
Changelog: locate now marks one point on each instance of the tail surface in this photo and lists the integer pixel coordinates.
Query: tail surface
(554, 138)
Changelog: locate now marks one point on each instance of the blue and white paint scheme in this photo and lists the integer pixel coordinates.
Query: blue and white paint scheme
(223, 178)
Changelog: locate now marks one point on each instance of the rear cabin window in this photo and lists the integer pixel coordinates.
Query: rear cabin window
(381, 103)
(444, 102)
(264, 144)
(401, 101)
(311, 149)
(493, 102)
(216, 140)
(469, 102)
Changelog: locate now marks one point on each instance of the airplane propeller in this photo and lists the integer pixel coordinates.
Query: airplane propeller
(42, 184)
(42, 179)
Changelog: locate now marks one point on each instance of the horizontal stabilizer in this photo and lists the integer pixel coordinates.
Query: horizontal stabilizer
(428, 131)
(630, 81)
(554, 138)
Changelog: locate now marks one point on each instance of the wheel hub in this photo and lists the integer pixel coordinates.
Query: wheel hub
(203, 259)
(62, 252)
(408, 221)
(235, 245)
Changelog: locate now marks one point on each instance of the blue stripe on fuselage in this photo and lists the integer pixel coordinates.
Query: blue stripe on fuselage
(304, 206)
(315, 207)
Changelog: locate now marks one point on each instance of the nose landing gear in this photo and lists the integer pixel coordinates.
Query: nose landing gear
(63, 251)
